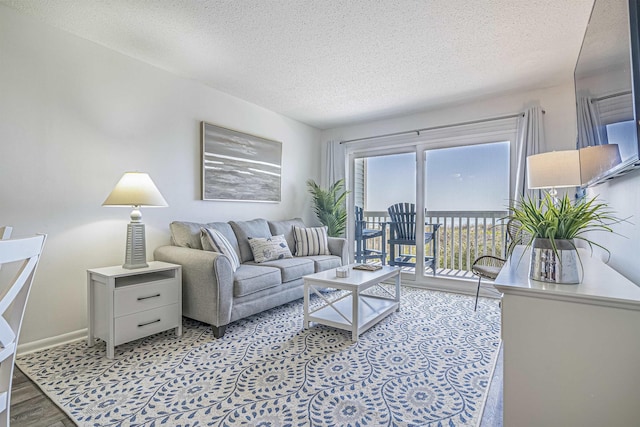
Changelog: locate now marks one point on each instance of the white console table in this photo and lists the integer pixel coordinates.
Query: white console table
(571, 352)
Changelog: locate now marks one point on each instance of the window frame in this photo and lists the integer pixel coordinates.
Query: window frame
(442, 137)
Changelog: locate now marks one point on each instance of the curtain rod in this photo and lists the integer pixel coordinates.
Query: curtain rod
(613, 95)
(417, 131)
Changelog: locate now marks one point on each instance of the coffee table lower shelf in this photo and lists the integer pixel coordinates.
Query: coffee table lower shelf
(370, 311)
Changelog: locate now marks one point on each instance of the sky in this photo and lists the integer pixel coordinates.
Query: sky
(468, 178)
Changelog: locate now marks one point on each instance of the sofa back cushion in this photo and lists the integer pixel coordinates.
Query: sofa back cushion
(286, 229)
(186, 234)
(245, 229)
(189, 235)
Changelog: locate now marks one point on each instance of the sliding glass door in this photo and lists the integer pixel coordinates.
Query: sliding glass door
(434, 216)
(382, 181)
(466, 194)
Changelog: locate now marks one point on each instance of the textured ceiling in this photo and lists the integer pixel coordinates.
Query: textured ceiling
(334, 62)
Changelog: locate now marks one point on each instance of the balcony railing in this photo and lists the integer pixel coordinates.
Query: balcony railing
(461, 237)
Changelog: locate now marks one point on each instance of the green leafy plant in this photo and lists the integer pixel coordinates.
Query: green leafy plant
(562, 220)
(330, 206)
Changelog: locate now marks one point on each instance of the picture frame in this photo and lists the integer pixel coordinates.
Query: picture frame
(238, 166)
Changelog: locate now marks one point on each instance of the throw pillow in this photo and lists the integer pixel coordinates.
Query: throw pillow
(311, 241)
(206, 243)
(269, 248)
(220, 244)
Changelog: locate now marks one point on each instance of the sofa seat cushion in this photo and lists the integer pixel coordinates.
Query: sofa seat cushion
(253, 278)
(325, 262)
(292, 268)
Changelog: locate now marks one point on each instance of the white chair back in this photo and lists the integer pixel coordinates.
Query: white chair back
(13, 300)
(5, 232)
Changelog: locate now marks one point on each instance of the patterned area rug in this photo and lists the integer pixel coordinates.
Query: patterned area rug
(429, 364)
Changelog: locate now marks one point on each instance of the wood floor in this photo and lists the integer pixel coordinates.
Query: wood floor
(31, 408)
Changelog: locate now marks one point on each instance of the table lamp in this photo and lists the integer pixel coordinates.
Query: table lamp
(135, 189)
(555, 169)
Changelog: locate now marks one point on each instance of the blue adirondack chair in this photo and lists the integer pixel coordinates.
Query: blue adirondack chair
(403, 233)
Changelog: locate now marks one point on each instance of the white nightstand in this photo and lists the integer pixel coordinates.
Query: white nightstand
(124, 305)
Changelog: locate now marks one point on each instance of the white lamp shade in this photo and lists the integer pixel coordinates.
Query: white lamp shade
(596, 160)
(135, 189)
(554, 169)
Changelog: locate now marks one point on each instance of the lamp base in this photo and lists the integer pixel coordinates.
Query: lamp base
(136, 252)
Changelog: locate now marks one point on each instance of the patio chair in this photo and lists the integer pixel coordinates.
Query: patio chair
(364, 234)
(13, 301)
(489, 266)
(403, 233)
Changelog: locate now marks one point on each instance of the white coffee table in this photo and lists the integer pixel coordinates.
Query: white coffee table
(353, 311)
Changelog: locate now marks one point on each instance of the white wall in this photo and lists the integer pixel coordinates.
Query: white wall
(558, 102)
(623, 195)
(73, 117)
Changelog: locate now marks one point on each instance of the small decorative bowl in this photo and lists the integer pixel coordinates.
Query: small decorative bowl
(342, 272)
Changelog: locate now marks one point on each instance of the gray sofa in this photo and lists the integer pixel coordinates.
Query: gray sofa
(213, 293)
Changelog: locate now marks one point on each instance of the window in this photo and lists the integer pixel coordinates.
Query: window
(467, 178)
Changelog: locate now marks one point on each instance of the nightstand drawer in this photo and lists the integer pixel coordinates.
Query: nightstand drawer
(142, 324)
(132, 299)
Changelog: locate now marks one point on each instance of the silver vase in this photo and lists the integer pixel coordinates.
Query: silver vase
(559, 266)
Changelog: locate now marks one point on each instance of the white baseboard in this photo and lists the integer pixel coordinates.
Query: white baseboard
(454, 285)
(45, 343)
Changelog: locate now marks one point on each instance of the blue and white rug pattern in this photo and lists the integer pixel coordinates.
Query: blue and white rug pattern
(429, 364)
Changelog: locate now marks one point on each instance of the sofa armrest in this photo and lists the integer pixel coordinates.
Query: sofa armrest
(338, 247)
(207, 283)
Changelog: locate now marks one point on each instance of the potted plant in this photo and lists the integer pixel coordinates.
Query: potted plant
(552, 227)
(330, 207)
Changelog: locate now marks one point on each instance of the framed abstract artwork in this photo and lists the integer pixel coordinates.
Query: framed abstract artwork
(240, 167)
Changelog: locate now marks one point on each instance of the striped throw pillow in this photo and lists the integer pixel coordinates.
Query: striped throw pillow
(311, 241)
(221, 244)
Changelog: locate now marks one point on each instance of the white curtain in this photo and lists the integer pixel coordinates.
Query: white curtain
(529, 140)
(589, 126)
(334, 162)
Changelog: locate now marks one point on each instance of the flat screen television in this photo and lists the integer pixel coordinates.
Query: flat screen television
(607, 85)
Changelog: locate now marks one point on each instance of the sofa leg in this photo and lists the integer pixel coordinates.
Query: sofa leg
(218, 331)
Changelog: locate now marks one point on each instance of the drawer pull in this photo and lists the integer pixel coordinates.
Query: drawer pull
(150, 296)
(140, 325)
